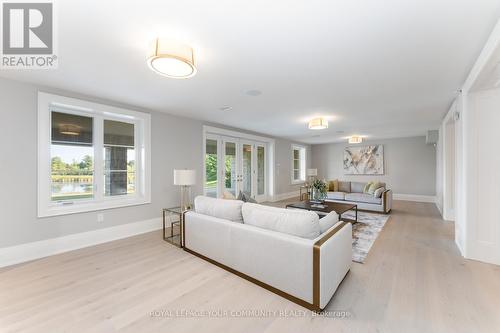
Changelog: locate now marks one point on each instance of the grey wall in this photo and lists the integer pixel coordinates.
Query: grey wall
(176, 143)
(410, 164)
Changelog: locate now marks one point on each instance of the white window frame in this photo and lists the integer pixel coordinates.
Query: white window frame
(142, 141)
(302, 165)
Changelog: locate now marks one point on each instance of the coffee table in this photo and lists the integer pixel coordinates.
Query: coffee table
(339, 208)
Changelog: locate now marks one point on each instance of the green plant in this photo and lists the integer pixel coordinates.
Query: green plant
(320, 186)
(319, 189)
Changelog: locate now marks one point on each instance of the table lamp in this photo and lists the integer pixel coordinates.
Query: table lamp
(185, 179)
(311, 173)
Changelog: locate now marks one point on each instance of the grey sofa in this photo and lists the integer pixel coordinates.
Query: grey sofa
(352, 192)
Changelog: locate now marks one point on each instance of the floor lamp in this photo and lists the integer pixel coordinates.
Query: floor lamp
(185, 179)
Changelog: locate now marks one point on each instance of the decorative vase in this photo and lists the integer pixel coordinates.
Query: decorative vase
(317, 195)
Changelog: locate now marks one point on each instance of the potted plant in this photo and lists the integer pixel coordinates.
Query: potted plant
(319, 189)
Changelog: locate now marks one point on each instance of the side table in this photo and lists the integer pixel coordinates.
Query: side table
(175, 215)
(304, 193)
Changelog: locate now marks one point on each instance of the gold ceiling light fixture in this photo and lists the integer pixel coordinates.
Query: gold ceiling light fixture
(172, 59)
(70, 129)
(318, 124)
(355, 139)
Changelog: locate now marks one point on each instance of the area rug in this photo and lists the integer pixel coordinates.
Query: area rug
(365, 232)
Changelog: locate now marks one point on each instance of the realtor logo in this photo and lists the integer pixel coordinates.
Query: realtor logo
(28, 35)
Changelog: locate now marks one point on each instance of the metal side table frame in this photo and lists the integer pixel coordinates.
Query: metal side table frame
(173, 211)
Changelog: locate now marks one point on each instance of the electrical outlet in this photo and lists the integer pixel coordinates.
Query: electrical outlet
(100, 217)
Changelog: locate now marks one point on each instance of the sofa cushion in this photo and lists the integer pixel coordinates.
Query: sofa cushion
(333, 185)
(301, 223)
(344, 186)
(357, 187)
(335, 195)
(374, 186)
(367, 187)
(328, 221)
(362, 197)
(220, 208)
(228, 195)
(245, 198)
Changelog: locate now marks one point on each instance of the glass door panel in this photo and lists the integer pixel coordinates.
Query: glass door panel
(246, 173)
(211, 168)
(261, 170)
(230, 168)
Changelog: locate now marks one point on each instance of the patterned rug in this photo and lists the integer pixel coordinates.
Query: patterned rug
(365, 232)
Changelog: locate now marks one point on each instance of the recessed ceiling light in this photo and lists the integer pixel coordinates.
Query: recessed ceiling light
(318, 123)
(226, 108)
(172, 59)
(355, 139)
(254, 92)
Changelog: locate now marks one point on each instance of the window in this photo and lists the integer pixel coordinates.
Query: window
(298, 164)
(91, 156)
(71, 157)
(119, 158)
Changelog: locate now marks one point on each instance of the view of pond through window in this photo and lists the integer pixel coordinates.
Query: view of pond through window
(72, 157)
(72, 172)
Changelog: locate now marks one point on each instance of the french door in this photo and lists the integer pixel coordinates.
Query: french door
(234, 165)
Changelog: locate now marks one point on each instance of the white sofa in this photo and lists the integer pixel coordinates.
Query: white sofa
(306, 271)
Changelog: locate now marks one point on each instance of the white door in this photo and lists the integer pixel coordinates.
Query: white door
(260, 172)
(211, 186)
(247, 169)
(253, 161)
(234, 165)
(230, 166)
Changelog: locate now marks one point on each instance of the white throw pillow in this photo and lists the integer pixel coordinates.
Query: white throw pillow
(328, 221)
(301, 223)
(220, 208)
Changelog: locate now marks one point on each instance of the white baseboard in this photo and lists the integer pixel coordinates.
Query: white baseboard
(414, 197)
(440, 209)
(459, 246)
(44, 248)
(284, 196)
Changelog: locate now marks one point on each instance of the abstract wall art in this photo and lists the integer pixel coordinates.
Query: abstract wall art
(367, 160)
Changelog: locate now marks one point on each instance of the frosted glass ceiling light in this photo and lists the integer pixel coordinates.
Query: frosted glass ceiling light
(318, 123)
(355, 139)
(172, 59)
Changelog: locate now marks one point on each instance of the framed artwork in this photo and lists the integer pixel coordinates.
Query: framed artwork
(367, 160)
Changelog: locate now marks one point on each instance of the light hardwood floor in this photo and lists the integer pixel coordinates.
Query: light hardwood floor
(414, 280)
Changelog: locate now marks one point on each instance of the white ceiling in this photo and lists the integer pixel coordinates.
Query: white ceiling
(375, 68)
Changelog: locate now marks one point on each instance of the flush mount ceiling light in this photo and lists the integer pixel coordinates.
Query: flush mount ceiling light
(69, 129)
(318, 124)
(355, 139)
(172, 59)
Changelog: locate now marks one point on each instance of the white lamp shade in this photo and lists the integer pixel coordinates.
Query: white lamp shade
(184, 177)
(312, 172)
